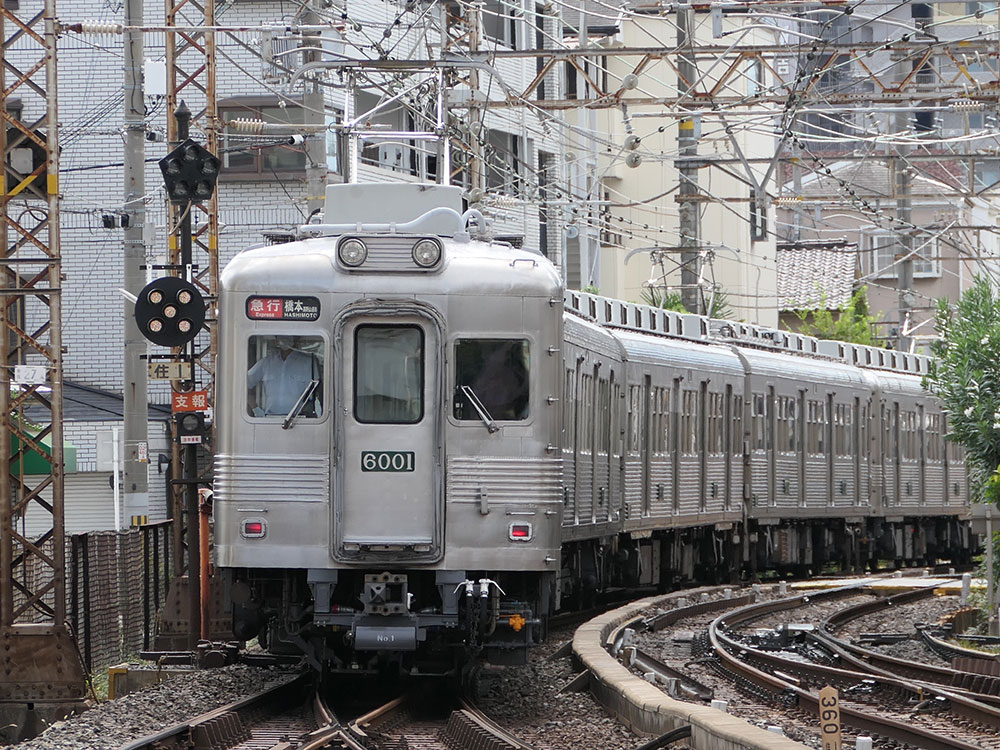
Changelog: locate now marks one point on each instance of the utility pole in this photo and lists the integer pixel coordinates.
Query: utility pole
(904, 258)
(314, 114)
(689, 218)
(136, 418)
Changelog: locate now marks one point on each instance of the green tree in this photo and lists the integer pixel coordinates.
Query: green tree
(965, 374)
(853, 322)
(656, 297)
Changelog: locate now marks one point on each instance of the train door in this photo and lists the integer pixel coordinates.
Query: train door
(388, 488)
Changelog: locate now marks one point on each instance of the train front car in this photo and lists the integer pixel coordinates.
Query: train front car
(388, 476)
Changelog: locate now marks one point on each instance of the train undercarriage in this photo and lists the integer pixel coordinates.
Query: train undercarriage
(404, 622)
(725, 553)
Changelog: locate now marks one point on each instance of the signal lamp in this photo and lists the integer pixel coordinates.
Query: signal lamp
(170, 311)
(352, 252)
(190, 172)
(190, 427)
(426, 253)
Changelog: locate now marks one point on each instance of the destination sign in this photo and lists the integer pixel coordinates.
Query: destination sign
(283, 308)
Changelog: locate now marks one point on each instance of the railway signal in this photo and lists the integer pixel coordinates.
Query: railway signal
(170, 311)
(190, 172)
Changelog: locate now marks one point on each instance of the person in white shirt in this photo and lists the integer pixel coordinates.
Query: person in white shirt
(284, 373)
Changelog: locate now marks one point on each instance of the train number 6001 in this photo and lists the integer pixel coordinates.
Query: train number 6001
(387, 461)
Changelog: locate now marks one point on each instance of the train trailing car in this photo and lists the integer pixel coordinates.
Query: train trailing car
(426, 446)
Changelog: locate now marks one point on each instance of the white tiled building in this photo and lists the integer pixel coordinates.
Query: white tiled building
(263, 189)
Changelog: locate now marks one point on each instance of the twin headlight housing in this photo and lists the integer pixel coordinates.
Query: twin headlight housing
(353, 252)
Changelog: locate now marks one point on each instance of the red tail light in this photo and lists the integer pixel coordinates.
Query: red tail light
(253, 528)
(519, 532)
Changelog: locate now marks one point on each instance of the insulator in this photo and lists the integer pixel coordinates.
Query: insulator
(246, 125)
(967, 105)
(100, 27)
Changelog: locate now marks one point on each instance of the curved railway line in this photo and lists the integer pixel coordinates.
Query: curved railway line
(902, 701)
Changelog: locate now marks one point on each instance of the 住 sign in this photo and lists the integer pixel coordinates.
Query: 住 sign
(190, 401)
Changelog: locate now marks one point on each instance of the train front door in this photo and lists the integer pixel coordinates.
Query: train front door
(387, 496)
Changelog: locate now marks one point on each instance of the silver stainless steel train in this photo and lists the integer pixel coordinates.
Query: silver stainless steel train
(426, 445)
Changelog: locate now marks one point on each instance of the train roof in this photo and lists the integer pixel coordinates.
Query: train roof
(649, 320)
(468, 266)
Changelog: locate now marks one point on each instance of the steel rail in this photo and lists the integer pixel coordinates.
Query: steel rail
(838, 619)
(636, 658)
(201, 732)
(727, 648)
(466, 726)
(951, 679)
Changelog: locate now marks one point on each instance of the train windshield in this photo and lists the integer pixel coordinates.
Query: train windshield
(280, 369)
(389, 374)
(496, 371)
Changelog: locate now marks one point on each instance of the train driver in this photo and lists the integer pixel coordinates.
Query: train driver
(284, 373)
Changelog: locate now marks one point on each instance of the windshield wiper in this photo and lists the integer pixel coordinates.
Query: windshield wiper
(307, 392)
(484, 415)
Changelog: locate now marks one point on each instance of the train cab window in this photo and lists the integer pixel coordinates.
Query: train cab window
(494, 372)
(388, 374)
(285, 374)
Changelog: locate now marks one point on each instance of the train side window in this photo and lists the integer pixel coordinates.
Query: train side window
(388, 374)
(660, 413)
(569, 412)
(786, 417)
(496, 371)
(280, 371)
(689, 422)
(843, 430)
(816, 427)
(714, 418)
(737, 422)
(759, 422)
(634, 418)
(933, 431)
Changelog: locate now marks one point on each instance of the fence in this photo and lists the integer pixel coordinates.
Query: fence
(115, 582)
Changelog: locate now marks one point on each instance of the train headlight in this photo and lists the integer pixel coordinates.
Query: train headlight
(352, 252)
(426, 253)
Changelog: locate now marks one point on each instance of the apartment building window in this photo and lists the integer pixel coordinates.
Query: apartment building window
(987, 173)
(500, 23)
(503, 162)
(881, 249)
(263, 156)
(972, 8)
(540, 44)
(417, 158)
(755, 76)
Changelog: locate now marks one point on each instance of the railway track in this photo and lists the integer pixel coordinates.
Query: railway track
(773, 665)
(431, 723)
(293, 716)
